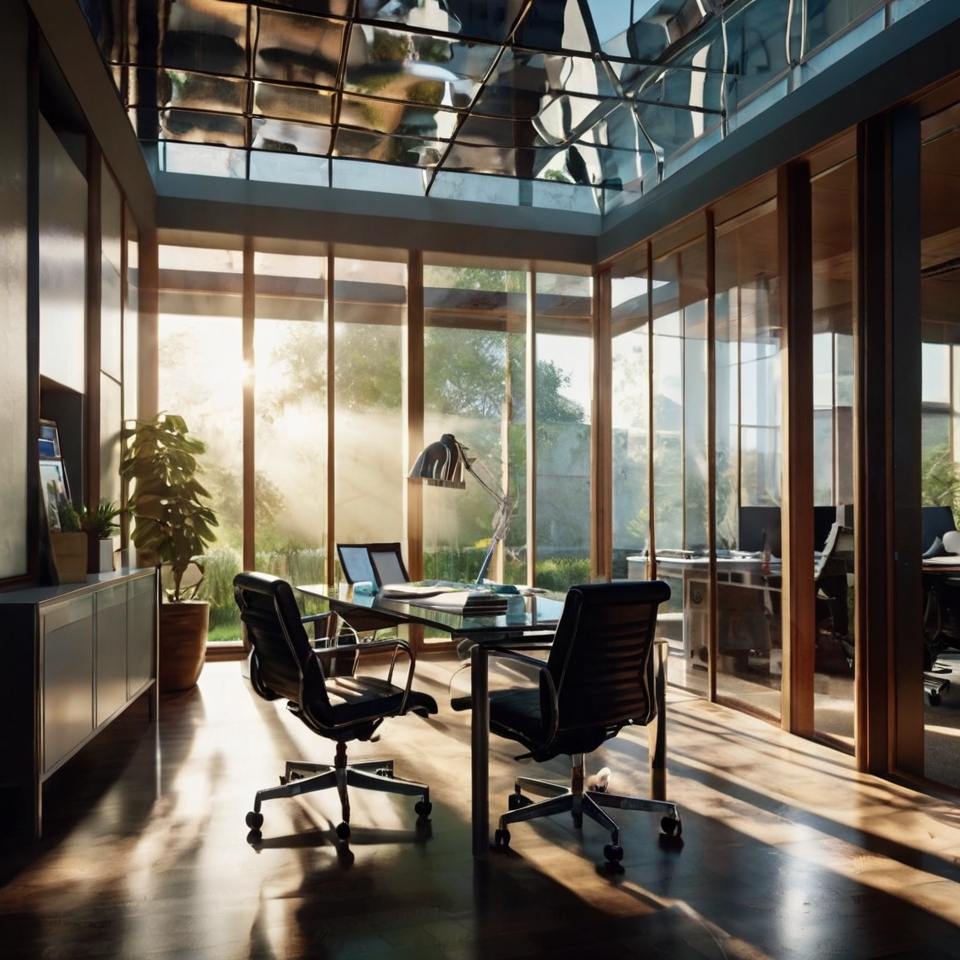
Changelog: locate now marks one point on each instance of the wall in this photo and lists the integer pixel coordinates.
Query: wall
(13, 295)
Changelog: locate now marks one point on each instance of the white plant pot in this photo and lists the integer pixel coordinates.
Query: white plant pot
(106, 556)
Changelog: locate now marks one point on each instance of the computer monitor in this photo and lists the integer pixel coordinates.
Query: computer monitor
(823, 520)
(760, 528)
(761, 525)
(935, 522)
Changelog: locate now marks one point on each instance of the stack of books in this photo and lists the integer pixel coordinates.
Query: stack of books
(470, 601)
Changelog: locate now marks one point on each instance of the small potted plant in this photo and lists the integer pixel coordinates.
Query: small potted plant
(69, 544)
(174, 527)
(100, 525)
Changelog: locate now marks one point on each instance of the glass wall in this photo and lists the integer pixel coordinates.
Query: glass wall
(474, 388)
(290, 403)
(370, 308)
(201, 376)
(940, 466)
(748, 460)
(564, 390)
(679, 289)
(834, 201)
(630, 411)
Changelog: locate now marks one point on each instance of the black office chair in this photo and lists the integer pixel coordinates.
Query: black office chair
(597, 679)
(284, 664)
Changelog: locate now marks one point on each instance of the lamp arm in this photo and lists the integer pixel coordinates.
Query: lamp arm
(498, 498)
(504, 516)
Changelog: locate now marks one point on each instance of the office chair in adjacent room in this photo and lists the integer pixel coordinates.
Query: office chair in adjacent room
(284, 664)
(941, 601)
(597, 678)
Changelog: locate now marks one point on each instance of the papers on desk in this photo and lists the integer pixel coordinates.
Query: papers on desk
(449, 597)
(950, 560)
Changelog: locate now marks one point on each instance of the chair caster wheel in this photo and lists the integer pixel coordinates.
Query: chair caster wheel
(501, 839)
(423, 809)
(254, 820)
(517, 800)
(343, 831)
(613, 852)
(672, 828)
(934, 699)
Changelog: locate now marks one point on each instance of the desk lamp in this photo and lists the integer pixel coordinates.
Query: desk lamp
(442, 464)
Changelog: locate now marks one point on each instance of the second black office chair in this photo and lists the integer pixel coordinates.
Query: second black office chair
(597, 679)
(283, 664)
(358, 563)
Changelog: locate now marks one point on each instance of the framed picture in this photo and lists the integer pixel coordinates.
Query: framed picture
(49, 440)
(53, 484)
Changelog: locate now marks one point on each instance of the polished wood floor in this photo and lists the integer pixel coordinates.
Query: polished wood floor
(787, 852)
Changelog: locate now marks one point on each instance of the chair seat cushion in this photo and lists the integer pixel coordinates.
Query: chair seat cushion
(353, 699)
(515, 713)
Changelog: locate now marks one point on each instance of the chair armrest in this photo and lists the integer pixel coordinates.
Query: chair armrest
(397, 645)
(503, 653)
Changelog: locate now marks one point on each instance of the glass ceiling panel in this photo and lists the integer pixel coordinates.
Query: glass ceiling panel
(197, 36)
(292, 103)
(396, 65)
(408, 151)
(298, 48)
(197, 127)
(286, 137)
(190, 91)
(584, 95)
(388, 116)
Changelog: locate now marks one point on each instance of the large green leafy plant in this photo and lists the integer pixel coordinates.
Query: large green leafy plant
(167, 499)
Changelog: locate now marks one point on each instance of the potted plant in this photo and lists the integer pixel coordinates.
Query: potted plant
(174, 526)
(100, 526)
(69, 544)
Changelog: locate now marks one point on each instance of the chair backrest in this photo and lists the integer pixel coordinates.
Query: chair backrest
(377, 563)
(387, 561)
(600, 659)
(283, 664)
(355, 563)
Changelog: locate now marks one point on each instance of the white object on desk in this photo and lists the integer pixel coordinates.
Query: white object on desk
(951, 541)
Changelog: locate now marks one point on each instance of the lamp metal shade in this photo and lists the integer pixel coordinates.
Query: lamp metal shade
(441, 463)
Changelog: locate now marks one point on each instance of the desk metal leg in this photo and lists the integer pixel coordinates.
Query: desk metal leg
(480, 751)
(658, 730)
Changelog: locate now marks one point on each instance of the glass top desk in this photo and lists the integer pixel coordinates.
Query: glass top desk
(540, 615)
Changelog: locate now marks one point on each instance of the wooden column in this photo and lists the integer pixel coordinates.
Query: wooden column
(91, 413)
(413, 401)
(331, 480)
(249, 446)
(601, 433)
(414, 406)
(713, 619)
(148, 373)
(798, 601)
(889, 666)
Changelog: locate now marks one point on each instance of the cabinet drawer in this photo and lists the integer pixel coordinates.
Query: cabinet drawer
(67, 648)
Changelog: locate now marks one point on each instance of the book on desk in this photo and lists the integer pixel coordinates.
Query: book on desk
(466, 599)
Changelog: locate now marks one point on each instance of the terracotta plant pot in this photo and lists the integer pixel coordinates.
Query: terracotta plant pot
(69, 556)
(183, 643)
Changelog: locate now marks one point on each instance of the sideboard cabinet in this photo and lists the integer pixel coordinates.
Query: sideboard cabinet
(74, 657)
